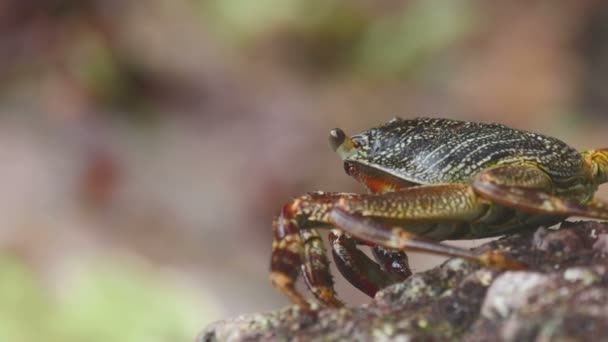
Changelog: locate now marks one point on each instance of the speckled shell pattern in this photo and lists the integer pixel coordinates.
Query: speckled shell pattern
(433, 150)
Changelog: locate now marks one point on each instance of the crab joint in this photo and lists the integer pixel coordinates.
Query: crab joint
(598, 161)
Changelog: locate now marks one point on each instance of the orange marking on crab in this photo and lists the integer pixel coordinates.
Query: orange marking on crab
(377, 183)
(381, 185)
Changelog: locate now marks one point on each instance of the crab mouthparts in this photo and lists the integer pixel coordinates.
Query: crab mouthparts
(341, 144)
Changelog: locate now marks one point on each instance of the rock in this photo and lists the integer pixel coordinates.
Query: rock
(562, 296)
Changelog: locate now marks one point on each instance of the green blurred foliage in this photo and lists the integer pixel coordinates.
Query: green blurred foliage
(95, 65)
(379, 44)
(108, 302)
(406, 39)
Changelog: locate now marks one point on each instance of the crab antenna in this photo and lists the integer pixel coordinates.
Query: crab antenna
(341, 144)
(598, 161)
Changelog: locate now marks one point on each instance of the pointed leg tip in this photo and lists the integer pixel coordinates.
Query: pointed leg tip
(307, 309)
(328, 297)
(284, 283)
(515, 266)
(501, 261)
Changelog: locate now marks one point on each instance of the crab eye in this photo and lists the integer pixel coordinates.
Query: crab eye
(336, 138)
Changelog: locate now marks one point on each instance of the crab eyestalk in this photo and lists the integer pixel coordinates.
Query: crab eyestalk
(341, 144)
(598, 161)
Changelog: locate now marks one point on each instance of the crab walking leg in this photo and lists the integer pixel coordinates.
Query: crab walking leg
(296, 246)
(362, 272)
(397, 238)
(288, 247)
(362, 215)
(383, 219)
(528, 188)
(286, 259)
(315, 269)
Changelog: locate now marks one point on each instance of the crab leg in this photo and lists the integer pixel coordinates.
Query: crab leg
(286, 259)
(315, 269)
(396, 237)
(289, 251)
(528, 188)
(368, 217)
(389, 220)
(356, 267)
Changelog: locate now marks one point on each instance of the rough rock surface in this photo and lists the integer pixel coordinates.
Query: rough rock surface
(563, 296)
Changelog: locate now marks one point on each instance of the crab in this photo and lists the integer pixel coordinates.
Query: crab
(429, 180)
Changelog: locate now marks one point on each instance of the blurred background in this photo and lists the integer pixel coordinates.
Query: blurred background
(145, 148)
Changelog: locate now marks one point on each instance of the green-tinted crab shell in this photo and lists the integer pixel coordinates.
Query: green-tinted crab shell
(431, 151)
